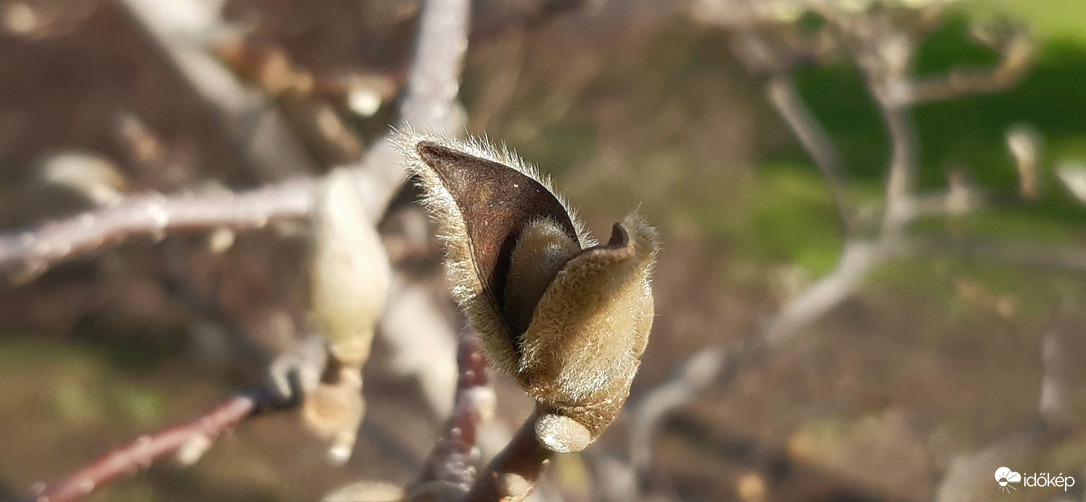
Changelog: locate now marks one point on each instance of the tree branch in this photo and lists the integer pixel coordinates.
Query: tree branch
(187, 441)
(1040, 256)
(177, 29)
(1017, 59)
(26, 254)
(901, 177)
(688, 381)
(781, 89)
(449, 471)
(512, 475)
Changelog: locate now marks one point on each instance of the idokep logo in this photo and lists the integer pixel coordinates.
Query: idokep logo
(1005, 477)
(1008, 478)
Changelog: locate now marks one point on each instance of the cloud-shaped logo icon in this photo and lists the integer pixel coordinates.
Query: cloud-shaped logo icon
(1005, 476)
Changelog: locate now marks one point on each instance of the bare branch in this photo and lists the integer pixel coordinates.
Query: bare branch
(187, 441)
(512, 475)
(781, 89)
(28, 253)
(449, 471)
(430, 103)
(1042, 256)
(176, 28)
(901, 177)
(857, 259)
(1017, 58)
(689, 380)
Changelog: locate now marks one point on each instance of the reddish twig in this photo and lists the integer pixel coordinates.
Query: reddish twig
(449, 470)
(187, 441)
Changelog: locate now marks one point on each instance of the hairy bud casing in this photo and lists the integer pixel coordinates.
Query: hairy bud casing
(567, 318)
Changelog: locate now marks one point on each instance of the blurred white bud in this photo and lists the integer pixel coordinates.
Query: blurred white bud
(1024, 143)
(221, 240)
(1073, 177)
(364, 101)
(19, 19)
(334, 412)
(92, 176)
(193, 450)
(367, 93)
(349, 272)
(786, 11)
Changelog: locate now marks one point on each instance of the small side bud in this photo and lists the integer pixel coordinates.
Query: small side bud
(90, 175)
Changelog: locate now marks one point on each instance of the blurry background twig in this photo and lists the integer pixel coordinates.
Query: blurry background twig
(187, 442)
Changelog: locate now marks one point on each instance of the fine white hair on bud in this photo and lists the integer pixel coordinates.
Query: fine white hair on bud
(567, 318)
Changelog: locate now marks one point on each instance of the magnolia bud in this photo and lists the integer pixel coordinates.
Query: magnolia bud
(568, 319)
(349, 272)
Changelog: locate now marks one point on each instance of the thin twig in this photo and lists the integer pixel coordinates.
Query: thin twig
(901, 177)
(178, 28)
(512, 475)
(781, 89)
(25, 254)
(687, 382)
(187, 441)
(1016, 61)
(1042, 256)
(430, 103)
(449, 471)
(857, 259)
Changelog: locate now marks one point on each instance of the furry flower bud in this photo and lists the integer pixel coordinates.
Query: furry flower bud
(349, 273)
(565, 317)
